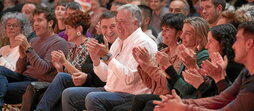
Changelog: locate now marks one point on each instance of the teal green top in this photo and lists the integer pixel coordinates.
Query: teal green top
(184, 89)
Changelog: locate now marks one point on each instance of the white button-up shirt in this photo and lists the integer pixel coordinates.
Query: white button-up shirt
(121, 72)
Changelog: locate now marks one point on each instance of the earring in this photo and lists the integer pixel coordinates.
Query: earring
(78, 33)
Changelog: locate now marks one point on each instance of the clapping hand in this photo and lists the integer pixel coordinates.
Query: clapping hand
(163, 60)
(58, 57)
(96, 50)
(193, 77)
(187, 56)
(215, 69)
(141, 55)
(170, 102)
(22, 41)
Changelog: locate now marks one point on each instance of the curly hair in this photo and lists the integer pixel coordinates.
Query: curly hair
(79, 18)
(26, 27)
(246, 11)
(225, 35)
(234, 18)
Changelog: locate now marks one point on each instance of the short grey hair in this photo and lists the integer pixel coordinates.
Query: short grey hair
(186, 7)
(135, 11)
(25, 24)
(247, 11)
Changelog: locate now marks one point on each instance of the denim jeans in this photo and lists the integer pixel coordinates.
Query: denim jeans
(73, 99)
(105, 101)
(12, 86)
(52, 96)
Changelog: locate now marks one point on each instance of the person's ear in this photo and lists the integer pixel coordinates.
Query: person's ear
(79, 28)
(179, 33)
(147, 20)
(220, 8)
(50, 23)
(136, 23)
(249, 44)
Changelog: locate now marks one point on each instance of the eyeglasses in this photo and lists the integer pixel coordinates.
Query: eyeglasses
(12, 25)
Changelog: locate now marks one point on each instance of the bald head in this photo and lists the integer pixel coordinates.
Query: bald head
(28, 10)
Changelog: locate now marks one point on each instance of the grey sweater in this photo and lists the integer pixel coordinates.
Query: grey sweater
(38, 63)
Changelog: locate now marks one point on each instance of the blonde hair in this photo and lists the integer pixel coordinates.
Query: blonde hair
(201, 28)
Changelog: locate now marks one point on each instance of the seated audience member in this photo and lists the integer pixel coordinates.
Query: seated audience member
(192, 52)
(13, 24)
(9, 4)
(119, 69)
(115, 5)
(78, 59)
(175, 6)
(220, 41)
(28, 9)
(159, 10)
(70, 8)
(171, 25)
(60, 9)
(232, 17)
(211, 10)
(95, 13)
(194, 38)
(179, 6)
(34, 63)
(238, 97)
(247, 11)
(223, 37)
(146, 19)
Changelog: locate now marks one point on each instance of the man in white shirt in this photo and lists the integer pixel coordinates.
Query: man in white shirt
(118, 67)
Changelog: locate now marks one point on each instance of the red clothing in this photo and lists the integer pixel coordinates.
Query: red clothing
(238, 97)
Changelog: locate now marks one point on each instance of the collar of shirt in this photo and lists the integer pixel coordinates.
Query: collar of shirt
(131, 38)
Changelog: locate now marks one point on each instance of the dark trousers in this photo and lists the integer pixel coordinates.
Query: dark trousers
(142, 102)
(12, 86)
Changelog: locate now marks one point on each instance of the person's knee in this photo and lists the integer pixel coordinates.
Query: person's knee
(140, 98)
(2, 70)
(66, 94)
(91, 97)
(61, 77)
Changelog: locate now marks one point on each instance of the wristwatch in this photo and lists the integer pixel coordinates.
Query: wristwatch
(29, 50)
(106, 57)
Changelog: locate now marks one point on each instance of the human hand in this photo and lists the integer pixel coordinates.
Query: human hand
(163, 60)
(173, 103)
(216, 58)
(141, 55)
(187, 56)
(79, 78)
(91, 48)
(193, 77)
(21, 40)
(99, 50)
(58, 66)
(215, 69)
(58, 57)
